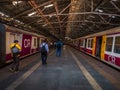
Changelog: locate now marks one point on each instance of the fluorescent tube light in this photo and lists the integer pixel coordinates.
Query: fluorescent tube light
(47, 6)
(16, 2)
(44, 25)
(30, 14)
(98, 10)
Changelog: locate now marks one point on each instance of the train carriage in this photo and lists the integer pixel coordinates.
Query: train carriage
(82, 44)
(112, 51)
(29, 42)
(103, 45)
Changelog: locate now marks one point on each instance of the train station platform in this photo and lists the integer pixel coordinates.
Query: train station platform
(72, 71)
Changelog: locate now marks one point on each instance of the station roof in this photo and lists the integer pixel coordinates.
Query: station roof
(61, 18)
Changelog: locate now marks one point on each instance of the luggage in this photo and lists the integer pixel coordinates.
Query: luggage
(43, 49)
(15, 49)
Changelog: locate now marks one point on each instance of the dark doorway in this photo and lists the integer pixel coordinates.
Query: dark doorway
(38, 42)
(2, 44)
(98, 46)
(85, 45)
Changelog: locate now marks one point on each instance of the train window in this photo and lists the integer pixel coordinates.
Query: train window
(34, 41)
(81, 43)
(109, 42)
(117, 45)
(90, 43)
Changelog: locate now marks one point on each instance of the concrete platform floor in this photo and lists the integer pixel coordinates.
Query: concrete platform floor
(72, 71)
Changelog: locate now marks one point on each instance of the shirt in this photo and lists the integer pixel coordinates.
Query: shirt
(17, 46)
(46, 46)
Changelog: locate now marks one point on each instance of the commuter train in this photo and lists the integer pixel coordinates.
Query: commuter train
(28, 41)
(103, 45)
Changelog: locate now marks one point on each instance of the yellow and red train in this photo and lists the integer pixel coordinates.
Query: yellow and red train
(103, 45)
(29, 42)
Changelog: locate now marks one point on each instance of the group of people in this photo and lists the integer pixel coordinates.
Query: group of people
(44, 49)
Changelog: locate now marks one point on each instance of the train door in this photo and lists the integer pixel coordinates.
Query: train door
(98, 46)
(85, 44)
(79, 44)
(2, 44)
(38, 44)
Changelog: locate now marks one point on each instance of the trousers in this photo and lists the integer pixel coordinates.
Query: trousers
(44, 58)
(16, 61)
(58, 52)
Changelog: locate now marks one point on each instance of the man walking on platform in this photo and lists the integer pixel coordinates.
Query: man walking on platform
(15, 52)
(58, 45)
(44, 51)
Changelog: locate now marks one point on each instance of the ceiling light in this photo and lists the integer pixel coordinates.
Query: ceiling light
(91, 16)
(47, 6)
(39, 21)
(44, 25)
(98, 10)
(30, 14)
(113, 16)
(16, 2)
(50, 16)
(17, 21)
(2, 14)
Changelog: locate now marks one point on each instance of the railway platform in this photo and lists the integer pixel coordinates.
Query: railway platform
(72, 71)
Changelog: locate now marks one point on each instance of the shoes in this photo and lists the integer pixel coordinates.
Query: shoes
(11, 69)
(44, 63)
(16, 71)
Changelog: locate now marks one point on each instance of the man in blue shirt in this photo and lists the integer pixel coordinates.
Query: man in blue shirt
(44, 51)
(58, 45)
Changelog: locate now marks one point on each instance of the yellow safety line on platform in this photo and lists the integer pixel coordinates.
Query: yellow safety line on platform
(90, 79)
(16, 83)
(104, 73)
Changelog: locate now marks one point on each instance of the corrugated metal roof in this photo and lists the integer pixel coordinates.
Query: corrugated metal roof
(62, 18)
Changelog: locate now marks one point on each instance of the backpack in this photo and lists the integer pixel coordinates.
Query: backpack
(14, 49)
(59, 45)
(43, 49)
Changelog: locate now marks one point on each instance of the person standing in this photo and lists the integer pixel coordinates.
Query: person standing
(58, 45)
(44, 51)
(15, 52)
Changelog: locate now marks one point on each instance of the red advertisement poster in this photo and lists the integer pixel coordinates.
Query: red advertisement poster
(26, 44)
